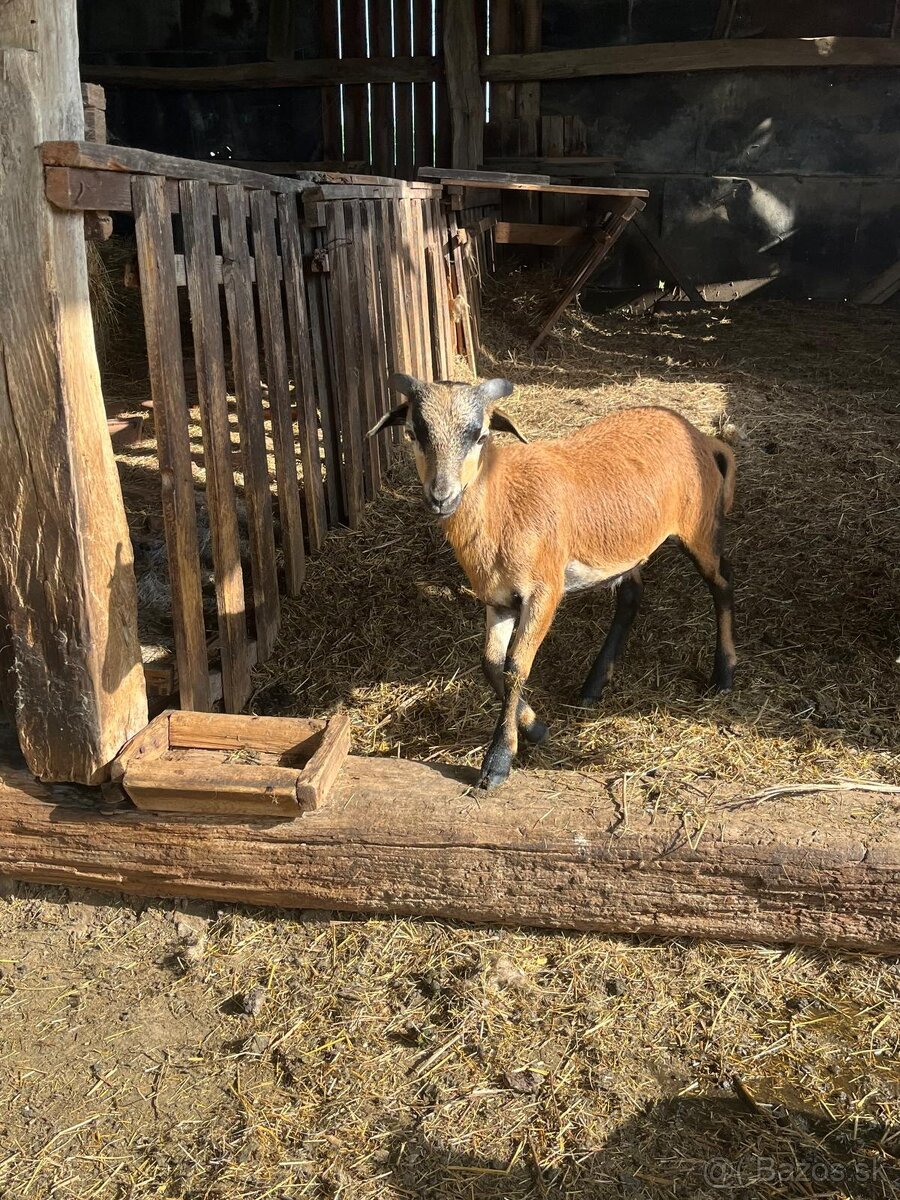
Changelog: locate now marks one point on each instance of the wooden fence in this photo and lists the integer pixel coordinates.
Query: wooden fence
(328, 288)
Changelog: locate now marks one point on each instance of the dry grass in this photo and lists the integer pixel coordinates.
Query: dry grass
(151, 1050)
(387, 628)
(239, 1055)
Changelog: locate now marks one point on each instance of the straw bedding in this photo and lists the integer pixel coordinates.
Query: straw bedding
(158, 1050)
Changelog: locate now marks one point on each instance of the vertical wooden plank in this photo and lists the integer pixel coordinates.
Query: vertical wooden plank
(71, 651)
(325, 375)
(403, 92)
(394, 261)
(232, 200)
(444, 146)
(209, 356)
(443, 354)
(378, 321)
(528, 94)
(361, 304)
(414, 254)
(380, 35)
(503, 95)
(159, 297)
(281, 31)
(268, 288)
(423, 93)
(356, 95)
(553, 208)
(302, 368)
(462, 66)
(332, 147)
(373, 220)
(346, 361)
(461, 294)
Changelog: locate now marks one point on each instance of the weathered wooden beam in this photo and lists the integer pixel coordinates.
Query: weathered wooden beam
(555, 849)
(464, 85)
(303, 72)
(513, 233)
(66, 574)
(719, 55)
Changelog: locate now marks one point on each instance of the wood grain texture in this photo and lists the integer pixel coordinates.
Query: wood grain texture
(203, 270)
(512, 233)
(245, 364)
(272, 322)
(159, 299)
(553, 849)
(305, 72)
(464, 86)
(364, 337)
(302, 369)
(346, 362)
(403, 92)
(718, 55)
(75, 684)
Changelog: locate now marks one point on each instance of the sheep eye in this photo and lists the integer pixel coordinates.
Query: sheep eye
(482, 439)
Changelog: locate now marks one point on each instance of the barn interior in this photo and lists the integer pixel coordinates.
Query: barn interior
(661, 960)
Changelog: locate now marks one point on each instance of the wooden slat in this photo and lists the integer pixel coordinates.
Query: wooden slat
(380, 25)
(325, 378)
(489, 178)
(467, 344)
(347, 365)
(503, 95)
(159, 297)
(403, 92)
(245, 365)
(394, 261)
(558, 189)
(281, 32)
(304, 72)
(331, 93)
(221, 497)
(302, 370)
(512, 233)
(361, 307)
(444, 148)
(265, 248)
(379, 322)
(375, 216)
(356, 95)
(423, 102)
(461, 56)
(651, 58)
(553, 208)
(273, 735)
(445, 364)
(528, 93)
(413, 267)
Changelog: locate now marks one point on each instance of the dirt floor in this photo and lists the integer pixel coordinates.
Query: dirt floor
(156, 1050)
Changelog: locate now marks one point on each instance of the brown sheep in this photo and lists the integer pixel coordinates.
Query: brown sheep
(530, 522)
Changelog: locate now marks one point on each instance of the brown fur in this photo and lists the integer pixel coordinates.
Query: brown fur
(529, 522)
(606, 496)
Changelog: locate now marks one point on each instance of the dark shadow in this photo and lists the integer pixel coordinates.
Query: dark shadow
(685, 1147)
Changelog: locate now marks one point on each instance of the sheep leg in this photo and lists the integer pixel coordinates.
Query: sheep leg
(716, 570)
(535, 618)
(501, 624)
(628, 600)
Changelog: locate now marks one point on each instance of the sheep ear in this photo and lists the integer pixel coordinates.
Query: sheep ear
(397, 416)
(404, 384)
(494, 389)
(501, 422)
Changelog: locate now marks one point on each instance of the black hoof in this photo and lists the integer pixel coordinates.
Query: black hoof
(495, 768)
(535, 733)
(722, 681)
(591, 699)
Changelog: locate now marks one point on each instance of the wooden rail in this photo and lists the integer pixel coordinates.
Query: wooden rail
(328, 287)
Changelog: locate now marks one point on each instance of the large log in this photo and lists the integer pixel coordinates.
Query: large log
(65, 553)
(556, 849)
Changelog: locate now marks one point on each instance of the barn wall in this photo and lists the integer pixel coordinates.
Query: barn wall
(282, 124)
(788, 176)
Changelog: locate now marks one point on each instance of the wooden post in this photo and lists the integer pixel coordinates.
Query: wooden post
(464, 84)
(66, 572)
